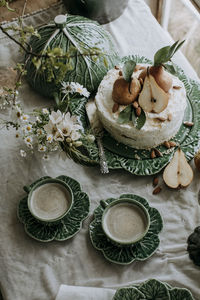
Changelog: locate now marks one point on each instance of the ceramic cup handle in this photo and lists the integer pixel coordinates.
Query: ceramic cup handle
(103, 204)
(27, 189)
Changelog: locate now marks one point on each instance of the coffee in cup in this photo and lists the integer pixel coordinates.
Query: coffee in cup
(50, 200)
(125, 221)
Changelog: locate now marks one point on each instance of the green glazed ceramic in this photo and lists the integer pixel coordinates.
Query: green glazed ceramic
(138, 162)
(41, 183)
(134, 203)
(126, 254)
(153, 289)
(64, 228)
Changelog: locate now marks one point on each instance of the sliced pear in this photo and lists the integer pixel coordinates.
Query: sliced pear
(152, 98)
(178, 172)
(145, 96)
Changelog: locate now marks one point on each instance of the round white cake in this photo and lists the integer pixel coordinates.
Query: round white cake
(158, 128)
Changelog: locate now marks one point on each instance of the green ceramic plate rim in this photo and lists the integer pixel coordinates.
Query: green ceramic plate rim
(54, 239)
(168, 286)
(154, 234)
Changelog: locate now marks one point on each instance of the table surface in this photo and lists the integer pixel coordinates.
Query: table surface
(34, 270)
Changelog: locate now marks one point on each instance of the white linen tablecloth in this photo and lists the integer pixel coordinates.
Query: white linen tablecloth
(32, 270)
(84, 293)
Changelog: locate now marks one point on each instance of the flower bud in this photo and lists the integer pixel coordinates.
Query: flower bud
(90, 138)
(68, 140)
(78, 144)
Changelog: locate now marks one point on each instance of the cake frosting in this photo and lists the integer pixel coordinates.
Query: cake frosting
(158, 128)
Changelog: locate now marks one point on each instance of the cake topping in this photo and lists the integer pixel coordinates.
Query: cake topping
(162, 78)
(157, 82)
(153, 98)
(124, 92)
(126, 89)
(188, 124)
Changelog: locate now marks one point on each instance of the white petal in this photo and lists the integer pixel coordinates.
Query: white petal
(75, 135)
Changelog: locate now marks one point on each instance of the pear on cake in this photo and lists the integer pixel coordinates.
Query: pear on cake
(124, 92)
(153, 98)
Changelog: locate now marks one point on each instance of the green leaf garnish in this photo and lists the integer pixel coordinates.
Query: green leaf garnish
(161, 56)
(165, 54)
(128, 114)
(128, 69)
(125, 115)
(133, 117)
(171, 68)
(140, 121)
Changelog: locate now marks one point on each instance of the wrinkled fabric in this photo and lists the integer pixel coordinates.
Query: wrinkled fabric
(84, 293)
(31, 270)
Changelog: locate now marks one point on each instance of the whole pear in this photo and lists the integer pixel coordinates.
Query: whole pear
(163, 78)
(124, 92)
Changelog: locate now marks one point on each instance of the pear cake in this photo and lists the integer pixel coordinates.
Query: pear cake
(163, 107)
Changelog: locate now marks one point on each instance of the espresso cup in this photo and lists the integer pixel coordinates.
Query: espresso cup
(49, 200)
(125, 221)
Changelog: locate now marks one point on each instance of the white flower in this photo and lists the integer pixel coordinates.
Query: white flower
(56, 117)
(81, 90)
(67, 88)
(24, 118)
(40, 131)
(45, 111)
(75, 135)
(50, 138)
(72, 120)
(50, 128)
(18, 112)
(28, 140)
(27, 128)
(38, 120)
(65, 127)
(74, 87)
(29, 146)
(59, 136)
(22, 153)
(42, 148)
(45, 157)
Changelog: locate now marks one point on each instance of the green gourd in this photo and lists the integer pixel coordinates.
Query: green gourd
(71, 33)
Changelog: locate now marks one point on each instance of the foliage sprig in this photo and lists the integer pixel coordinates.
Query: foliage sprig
(129, 115)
